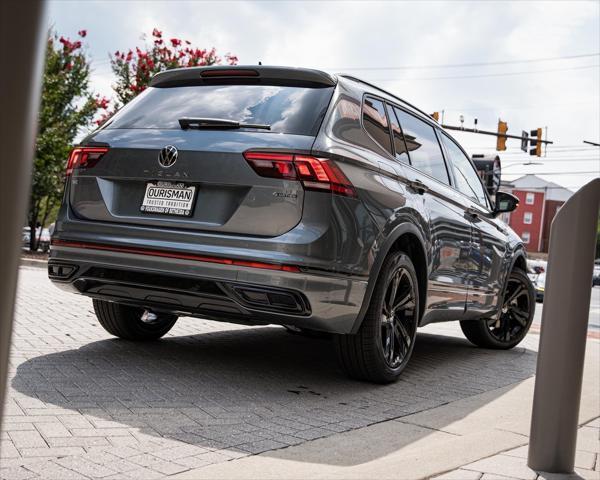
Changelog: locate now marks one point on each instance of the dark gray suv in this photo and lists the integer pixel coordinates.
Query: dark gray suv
(267, 195)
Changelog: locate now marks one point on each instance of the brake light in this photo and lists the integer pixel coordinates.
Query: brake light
(229, 72)
(315, 173)
(83, 157)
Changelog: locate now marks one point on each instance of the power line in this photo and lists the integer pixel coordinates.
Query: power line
(523, 107)
(470, 64)
(484, 75)
(554, 173)
(566, 160)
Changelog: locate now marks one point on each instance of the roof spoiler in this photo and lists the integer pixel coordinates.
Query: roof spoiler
(243, 74)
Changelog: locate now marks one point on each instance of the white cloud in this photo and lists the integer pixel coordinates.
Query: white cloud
(380, 34)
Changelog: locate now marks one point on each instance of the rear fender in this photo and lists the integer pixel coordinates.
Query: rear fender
(381, 254)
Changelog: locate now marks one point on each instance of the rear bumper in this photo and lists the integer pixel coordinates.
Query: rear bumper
(232, 293)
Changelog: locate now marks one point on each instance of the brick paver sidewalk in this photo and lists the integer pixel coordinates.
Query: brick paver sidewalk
(84, 405)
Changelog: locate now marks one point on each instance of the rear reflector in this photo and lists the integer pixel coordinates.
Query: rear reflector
(83, 157)
(181, 256)
(314, 173)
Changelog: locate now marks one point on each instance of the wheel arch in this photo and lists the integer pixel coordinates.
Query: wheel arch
(518, 260)
(407, 238)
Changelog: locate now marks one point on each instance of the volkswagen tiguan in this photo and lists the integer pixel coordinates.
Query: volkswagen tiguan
(269, 195)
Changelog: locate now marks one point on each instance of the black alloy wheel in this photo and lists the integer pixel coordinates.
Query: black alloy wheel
(383, 345)
(510, 326)
(398, 322)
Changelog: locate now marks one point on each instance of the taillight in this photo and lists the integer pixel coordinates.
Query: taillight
(83, 157)
(315, 173)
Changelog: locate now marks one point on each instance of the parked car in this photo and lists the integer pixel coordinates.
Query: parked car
(539, 284)
(26, 237)
(43, 238)
(267, 195)
(596, 276)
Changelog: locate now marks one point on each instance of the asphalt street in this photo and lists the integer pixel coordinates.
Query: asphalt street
(594, 318)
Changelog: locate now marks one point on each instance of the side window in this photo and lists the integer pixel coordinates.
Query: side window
(467, 180)
(375, 122)
(398, 137)
(423, 146)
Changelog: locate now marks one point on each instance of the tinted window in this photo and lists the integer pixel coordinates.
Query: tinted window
(376, 122)
(423, 146)
(296, 110)
(467, 180)
(399, 145)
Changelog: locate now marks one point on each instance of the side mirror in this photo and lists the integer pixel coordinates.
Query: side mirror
(505, 202)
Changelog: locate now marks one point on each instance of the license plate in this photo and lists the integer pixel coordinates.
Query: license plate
(169, 198)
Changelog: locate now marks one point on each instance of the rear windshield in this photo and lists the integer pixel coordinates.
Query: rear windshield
(295, 110)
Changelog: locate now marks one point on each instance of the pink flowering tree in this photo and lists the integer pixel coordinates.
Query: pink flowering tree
(134, 68)
(68, 107)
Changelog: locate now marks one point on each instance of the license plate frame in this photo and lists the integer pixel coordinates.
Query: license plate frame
(179, 203)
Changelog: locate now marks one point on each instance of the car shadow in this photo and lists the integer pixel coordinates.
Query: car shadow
(252, 390)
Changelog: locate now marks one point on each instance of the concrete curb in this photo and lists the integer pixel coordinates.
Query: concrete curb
(417, 446)
(33, 262)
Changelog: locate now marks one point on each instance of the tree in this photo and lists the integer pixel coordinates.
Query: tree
(67, 107)
(135, 68)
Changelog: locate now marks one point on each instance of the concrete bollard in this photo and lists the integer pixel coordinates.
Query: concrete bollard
(563, 333)
(19, 96)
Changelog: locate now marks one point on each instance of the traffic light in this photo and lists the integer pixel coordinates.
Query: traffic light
(436, 116)
(535, 141)
(501, 140)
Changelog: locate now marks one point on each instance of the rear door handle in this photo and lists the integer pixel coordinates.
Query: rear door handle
(472, 212)
(418, 186)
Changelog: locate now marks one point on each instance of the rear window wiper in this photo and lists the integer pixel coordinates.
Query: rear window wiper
(217, 123)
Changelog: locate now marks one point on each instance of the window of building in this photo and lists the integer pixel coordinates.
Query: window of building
(527, 218)
(376, 123)
(530, 198)
(525, 236)
(423, 146)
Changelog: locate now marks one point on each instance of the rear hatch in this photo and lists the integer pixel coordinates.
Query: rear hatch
(174, 156)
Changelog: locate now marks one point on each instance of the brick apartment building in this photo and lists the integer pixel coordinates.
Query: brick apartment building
(539, 200)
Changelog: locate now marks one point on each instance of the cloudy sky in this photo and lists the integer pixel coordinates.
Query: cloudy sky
(532, 64)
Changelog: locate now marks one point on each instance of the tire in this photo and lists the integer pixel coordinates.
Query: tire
(367, 355)
(510, 328)
(126, 322)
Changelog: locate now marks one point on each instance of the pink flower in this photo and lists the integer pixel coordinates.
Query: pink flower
(82, 33)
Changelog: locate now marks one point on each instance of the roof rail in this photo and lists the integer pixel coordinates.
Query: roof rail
(356, 79)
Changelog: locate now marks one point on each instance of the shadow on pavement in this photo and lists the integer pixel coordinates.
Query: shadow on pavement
(256, 389)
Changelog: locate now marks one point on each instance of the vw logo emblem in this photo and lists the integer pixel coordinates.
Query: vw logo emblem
(167, 156)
